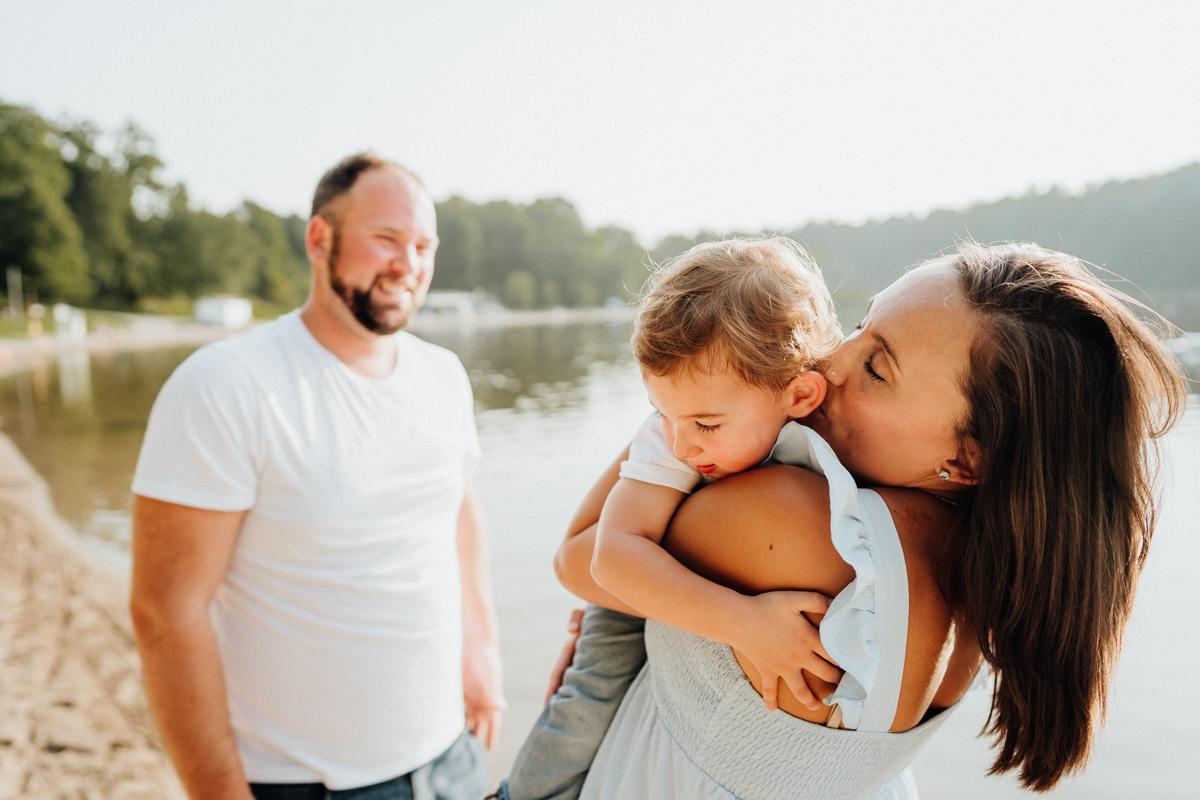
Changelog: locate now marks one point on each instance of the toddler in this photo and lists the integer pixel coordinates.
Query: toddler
(728, 336)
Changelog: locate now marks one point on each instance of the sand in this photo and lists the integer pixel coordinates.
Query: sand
(74, 722)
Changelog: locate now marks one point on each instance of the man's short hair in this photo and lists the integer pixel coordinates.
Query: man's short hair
(341, 177)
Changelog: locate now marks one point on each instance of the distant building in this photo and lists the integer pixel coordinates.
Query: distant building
(224, 310)
(440, 302)
(69, 322)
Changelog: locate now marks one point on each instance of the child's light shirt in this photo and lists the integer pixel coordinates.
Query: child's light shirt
(651, 460)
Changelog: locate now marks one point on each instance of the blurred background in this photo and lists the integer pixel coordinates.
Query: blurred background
(157, 160)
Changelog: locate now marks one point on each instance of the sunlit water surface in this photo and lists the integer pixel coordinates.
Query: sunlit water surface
(555, 404)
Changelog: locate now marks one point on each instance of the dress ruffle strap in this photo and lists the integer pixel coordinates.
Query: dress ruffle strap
(867, 623)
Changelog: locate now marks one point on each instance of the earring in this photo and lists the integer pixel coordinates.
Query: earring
(944, 474)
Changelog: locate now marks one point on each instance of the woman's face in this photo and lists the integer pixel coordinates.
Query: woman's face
(894, 400)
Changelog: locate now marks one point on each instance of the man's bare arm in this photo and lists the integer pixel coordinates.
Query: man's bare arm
(179, 556)
(483, 690)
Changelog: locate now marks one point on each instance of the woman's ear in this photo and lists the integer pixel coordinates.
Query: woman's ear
(964, 467)
(804, 394)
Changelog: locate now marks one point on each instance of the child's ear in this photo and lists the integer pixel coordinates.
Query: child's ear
(804, 394)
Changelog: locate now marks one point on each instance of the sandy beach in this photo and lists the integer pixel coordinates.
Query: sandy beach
(74, 722)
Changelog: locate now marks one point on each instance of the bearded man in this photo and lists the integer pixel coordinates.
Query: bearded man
(310, 587)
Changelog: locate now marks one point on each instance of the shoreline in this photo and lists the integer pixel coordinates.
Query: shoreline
(74, 720)
(148, 332)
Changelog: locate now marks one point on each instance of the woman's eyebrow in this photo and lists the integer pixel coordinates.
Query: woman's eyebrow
(887, 349)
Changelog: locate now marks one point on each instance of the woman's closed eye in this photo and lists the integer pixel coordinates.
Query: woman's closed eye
(875, 376)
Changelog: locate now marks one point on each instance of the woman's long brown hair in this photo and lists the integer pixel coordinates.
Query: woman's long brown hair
(1067, 389)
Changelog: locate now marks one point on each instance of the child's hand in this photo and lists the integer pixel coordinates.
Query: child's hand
(780, 641)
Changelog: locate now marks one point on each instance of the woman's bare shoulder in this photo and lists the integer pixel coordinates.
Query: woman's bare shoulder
(761, 530)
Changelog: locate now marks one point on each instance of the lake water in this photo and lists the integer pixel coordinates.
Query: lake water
(555, 404)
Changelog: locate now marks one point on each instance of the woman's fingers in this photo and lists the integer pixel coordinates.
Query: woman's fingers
(565, 656)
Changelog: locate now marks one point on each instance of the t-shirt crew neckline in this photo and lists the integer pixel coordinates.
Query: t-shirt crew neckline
(326, 354)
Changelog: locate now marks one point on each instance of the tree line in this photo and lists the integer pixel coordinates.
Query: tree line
(88, 219)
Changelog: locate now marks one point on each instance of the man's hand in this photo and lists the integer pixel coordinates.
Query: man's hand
(780, 642)
(566, 656)
(483, 691)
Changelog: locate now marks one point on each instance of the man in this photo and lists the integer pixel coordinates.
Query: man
(310, 585)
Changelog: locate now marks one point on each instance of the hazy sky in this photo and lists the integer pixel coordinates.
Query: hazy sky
(658, 116)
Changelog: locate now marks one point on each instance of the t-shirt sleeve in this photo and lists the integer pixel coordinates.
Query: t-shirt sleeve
(200, 443)
(652, 461)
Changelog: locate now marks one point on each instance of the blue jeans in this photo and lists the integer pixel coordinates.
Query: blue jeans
(457, 774)
(557, 754)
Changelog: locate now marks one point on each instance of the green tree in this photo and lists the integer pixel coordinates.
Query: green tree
(277, 274)
(520, 289)
(103, 188)
(460, 255)
(38, 233)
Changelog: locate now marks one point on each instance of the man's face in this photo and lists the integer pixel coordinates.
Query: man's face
(381, 257)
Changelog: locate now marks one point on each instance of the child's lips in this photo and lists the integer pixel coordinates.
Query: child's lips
(707, 469)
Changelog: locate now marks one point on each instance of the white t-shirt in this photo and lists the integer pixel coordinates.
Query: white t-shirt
(651, 460)
(339, 618)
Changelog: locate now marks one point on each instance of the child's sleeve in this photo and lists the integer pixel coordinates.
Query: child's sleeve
(652, 461)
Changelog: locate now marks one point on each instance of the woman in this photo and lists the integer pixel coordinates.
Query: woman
(1005, 396)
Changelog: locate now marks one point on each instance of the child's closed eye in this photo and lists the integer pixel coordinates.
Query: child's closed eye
(707, 428)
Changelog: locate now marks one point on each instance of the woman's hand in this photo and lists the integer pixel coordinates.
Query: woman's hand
(566, 656)
(780, 642)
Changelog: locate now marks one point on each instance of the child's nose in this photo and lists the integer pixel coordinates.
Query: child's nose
(684, 448)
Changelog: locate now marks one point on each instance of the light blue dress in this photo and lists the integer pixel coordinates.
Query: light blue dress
(692, 726)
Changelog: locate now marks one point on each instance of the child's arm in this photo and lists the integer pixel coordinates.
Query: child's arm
(768, 629)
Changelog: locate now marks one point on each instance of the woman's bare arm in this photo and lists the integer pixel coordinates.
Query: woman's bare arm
(573, 561)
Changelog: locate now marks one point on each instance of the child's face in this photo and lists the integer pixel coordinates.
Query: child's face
(717, 423)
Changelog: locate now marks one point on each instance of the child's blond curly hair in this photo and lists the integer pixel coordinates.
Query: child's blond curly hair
(758, 306)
